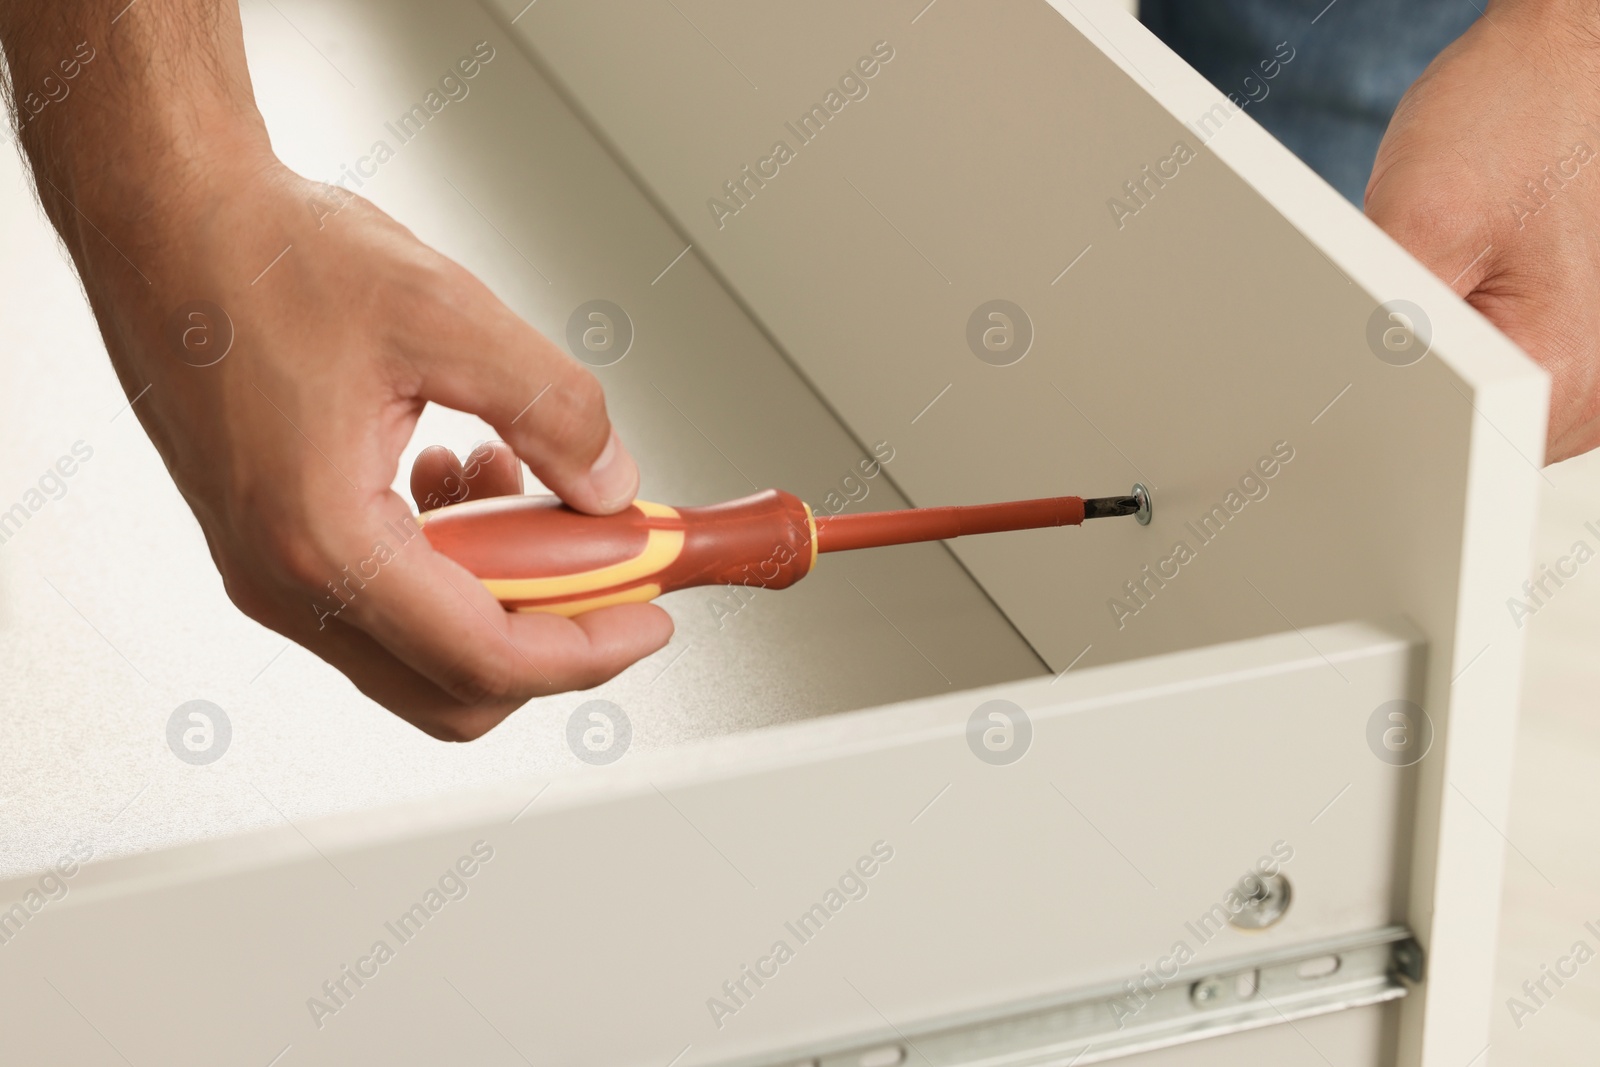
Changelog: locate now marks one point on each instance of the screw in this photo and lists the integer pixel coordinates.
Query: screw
(1142, 495)
(1205, 991)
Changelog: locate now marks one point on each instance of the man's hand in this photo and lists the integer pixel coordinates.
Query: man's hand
(158, 173)
(1490, 175)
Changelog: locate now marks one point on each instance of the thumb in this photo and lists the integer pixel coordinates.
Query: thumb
(549, 408)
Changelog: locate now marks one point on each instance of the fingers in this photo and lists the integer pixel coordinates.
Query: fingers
(477, 356)
(432, 617)
(492, 469)
(438, 478)
(402, 689)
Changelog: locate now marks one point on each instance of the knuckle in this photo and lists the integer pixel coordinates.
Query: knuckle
(481, 678)
(293, 557)
(1427, 218)
(434, 287)
(423, 296)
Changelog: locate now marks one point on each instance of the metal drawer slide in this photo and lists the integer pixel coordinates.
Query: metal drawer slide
(1112, 1022)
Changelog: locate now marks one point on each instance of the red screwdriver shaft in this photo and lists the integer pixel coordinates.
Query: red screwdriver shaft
(841, 533)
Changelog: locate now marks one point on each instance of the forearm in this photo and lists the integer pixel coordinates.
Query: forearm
(1576, 12)
(128, 115)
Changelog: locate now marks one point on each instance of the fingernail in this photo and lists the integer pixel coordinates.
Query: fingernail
(614, 476)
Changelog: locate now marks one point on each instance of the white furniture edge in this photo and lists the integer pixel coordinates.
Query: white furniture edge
(1459, 844)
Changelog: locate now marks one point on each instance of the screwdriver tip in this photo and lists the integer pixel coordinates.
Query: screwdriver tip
(1136, 503)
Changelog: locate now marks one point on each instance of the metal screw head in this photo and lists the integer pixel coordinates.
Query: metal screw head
(1268, 899)
(1205, 991)
(1142, 495)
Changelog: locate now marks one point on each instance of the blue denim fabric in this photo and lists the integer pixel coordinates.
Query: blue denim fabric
(1331, 103)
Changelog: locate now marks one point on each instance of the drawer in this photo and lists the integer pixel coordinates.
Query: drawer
(1307, 671)
(875, 880)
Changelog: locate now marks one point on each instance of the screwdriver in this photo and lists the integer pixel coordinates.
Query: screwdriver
(536, 554)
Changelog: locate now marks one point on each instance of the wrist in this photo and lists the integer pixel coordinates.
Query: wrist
(133, 122)
(150, 185)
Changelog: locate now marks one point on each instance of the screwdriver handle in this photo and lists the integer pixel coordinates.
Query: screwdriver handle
(536, 554)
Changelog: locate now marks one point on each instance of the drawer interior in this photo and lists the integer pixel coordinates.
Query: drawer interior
(509, 182)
